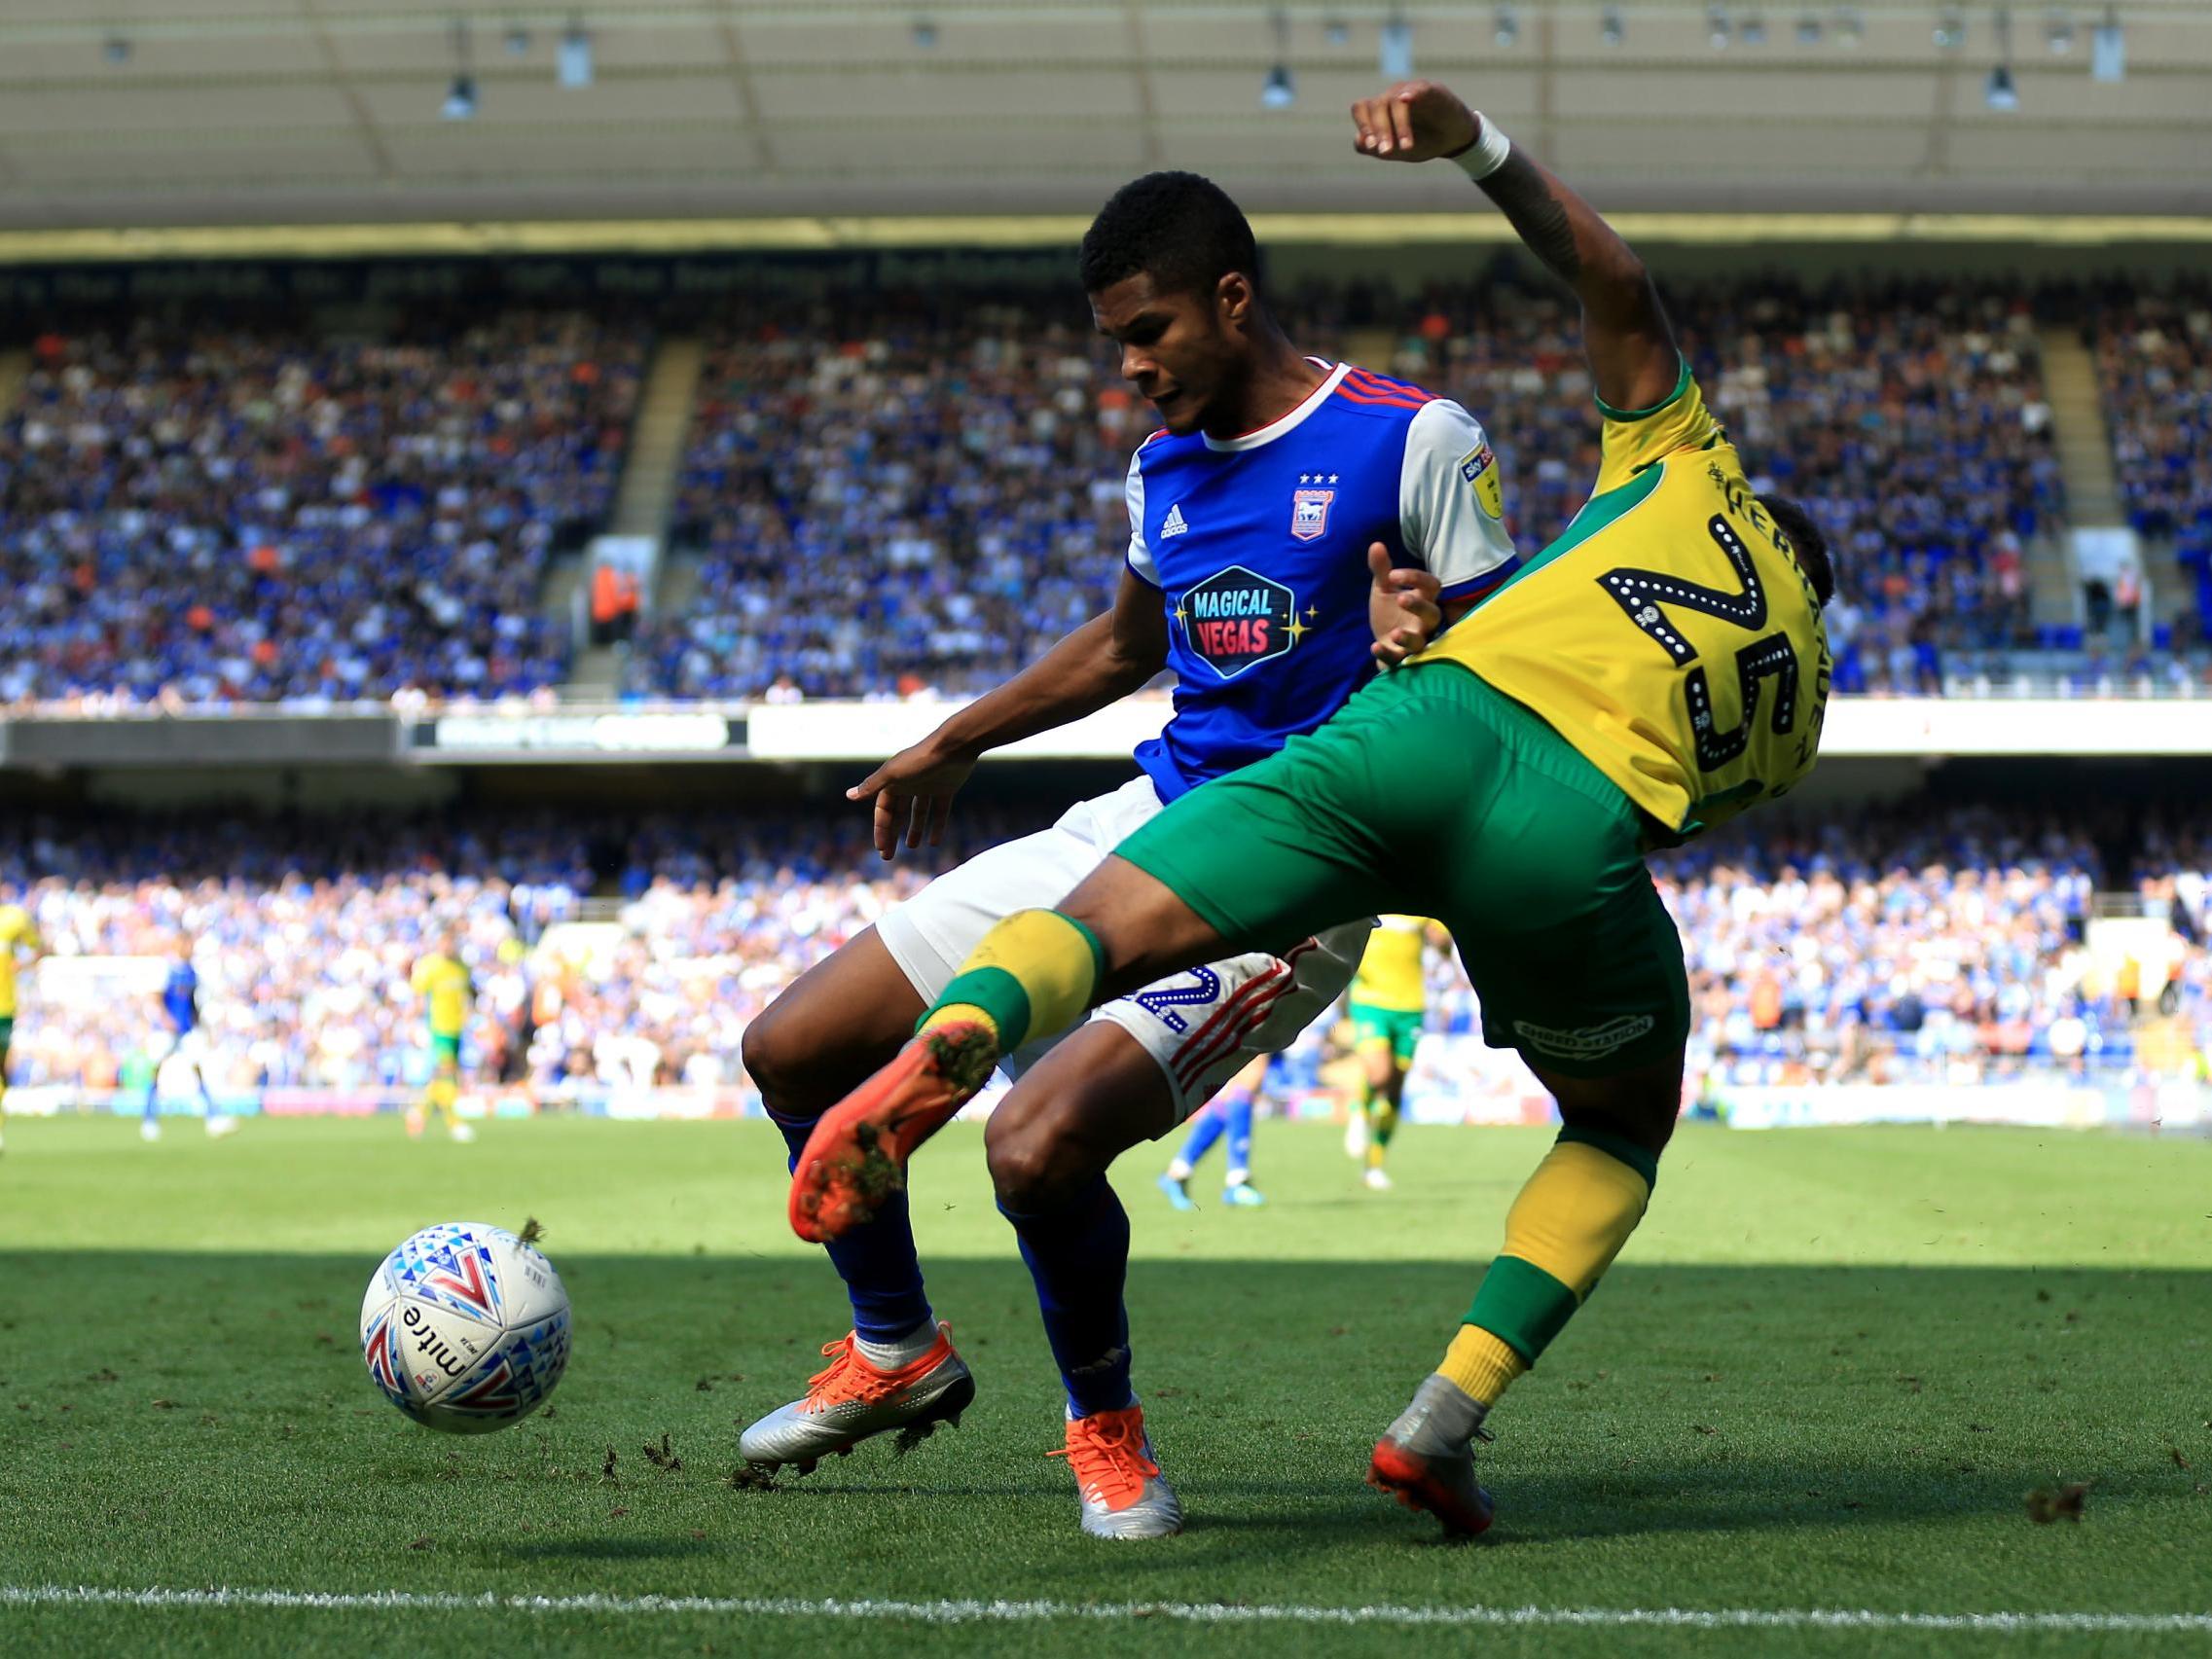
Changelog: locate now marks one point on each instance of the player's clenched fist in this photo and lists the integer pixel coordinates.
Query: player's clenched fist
(1415, 120)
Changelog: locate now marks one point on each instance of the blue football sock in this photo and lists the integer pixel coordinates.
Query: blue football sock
(1205, 1130)
(1079, 1256)
(1238, 1110)
(882, 1273)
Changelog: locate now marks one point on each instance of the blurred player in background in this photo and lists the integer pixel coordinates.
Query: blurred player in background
(1279, 524)
(1657, 669)
(1388, 1007)
(1228, 1115)
(180, 1039)
(20, 948)
(442, 980)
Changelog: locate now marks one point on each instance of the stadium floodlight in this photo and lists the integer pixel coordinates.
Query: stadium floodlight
(1717, 27)
(2003, 92)
(1507, 28)
(1808, 30)
(1279, 90)
(2108, 50)
(1397, 49)
(460, 96)
(1950, 28)
(2059, 33)
(1752, 31)
(1613, 27)
(574, 60)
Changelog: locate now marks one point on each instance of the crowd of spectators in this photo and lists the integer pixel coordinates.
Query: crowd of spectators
(208, 511)
(2154, 354)
(895, 493)
(305, 933)
(1933, 945)
(1909, 419)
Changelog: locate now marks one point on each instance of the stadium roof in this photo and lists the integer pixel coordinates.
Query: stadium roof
(257, 112)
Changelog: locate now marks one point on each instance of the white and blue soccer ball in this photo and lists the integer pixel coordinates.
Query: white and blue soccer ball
(465, 1327)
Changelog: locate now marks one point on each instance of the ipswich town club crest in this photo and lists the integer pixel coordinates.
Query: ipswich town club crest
(1309, 512)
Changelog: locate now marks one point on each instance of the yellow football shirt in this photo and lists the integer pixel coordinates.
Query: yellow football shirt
(1390, 969)
(1669, 633)
(443, 984)
(18, 933)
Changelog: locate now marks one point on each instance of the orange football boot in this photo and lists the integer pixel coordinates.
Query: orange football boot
(856, 1159)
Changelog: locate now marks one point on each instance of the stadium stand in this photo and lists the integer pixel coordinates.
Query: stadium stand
(251, 510)
(1916, 943)
(892, 492)
(2154, 354)
(964, 465)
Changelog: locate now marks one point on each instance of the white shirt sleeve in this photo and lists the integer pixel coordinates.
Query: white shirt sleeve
(1451, 503)
(1140, 555)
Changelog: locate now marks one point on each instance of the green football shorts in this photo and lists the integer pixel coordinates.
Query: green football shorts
(1398, 1029)
(1431, 793)
(7, 1034)
(445, 1050)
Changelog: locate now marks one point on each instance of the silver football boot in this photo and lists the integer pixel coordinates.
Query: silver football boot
(1117, 1478)
(1427, 1458)
(849, 1400)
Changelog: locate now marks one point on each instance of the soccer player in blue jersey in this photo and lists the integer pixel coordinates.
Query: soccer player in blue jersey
(180, 1038)
(1293, 519)
(1225, 1117)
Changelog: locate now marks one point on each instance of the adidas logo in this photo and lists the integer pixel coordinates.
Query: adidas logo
(1173, 524)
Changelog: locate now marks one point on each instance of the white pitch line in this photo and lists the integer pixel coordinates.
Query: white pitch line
(951, 1612)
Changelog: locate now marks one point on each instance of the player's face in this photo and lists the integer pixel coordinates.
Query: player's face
(1178, 350)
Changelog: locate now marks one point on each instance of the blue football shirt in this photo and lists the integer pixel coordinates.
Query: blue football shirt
(1259, 545)
(180, 997)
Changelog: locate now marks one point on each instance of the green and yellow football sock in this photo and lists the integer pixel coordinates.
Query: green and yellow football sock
(1032, 977)
(439, 1097)
(1565, 1228)
(1381, 1113)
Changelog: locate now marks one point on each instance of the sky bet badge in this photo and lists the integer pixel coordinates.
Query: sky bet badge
(1479, 467)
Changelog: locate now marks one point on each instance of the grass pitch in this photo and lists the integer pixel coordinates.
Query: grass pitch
(1825, 1376)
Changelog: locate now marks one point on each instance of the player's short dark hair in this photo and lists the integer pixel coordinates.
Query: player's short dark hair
(1808, 540)
(1181, 230)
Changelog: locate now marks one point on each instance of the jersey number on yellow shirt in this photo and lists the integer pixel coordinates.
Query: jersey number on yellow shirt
(1641, 594)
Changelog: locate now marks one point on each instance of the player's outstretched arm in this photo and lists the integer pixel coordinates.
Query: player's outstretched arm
(1632, 352)
(1101, 662)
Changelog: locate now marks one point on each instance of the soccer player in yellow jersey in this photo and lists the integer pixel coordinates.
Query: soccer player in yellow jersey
(1657, 668)
(19, 947)
(442, 980)
(1388, 1003)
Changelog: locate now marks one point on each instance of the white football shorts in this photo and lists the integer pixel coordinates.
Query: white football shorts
(168, 1043)
(1202, 1026)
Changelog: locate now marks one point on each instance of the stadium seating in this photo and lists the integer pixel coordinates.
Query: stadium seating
(1939, 946)
(896, 493)
(910, 493)
(250, 510)
(1908, 419)
(962, 466)
(2154, 356)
